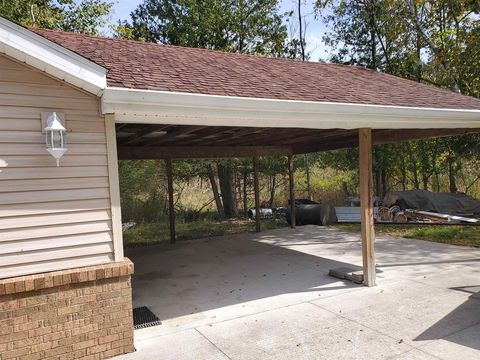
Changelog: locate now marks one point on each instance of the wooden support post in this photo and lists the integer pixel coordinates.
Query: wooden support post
(257, 194)
(366, 203)
(171, 205)
(114, 187)
(292, 191)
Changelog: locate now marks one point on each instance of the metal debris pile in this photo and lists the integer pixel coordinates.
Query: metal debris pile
(422, 206)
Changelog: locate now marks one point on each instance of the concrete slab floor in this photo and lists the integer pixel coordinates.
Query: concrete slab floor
(268, 296)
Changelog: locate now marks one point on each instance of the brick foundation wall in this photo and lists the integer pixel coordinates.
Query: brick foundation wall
(83, 313)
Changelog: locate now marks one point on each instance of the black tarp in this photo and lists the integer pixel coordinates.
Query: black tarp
(439, 202)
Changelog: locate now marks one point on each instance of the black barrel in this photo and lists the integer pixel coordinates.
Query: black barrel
(318, 214)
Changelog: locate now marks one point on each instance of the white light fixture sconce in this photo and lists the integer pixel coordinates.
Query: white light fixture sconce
(55, 136)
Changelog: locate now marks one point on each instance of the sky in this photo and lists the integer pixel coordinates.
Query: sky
(315, 28)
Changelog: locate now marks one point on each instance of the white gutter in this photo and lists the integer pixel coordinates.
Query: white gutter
(44, 55)
(162, 107)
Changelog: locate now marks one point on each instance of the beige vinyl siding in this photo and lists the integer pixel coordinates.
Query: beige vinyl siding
(51, 218)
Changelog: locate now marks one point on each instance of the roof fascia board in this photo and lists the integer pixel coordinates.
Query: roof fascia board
(162, 107)
(27, 47)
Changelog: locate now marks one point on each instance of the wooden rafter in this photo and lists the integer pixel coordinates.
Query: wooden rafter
(139, 135)
(171, 135)
(272, 136)
(205, 136)
(240, 134)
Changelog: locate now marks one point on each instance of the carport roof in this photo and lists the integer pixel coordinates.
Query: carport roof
(149, 66)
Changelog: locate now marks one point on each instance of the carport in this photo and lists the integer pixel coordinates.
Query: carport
(163, 125)
(172, 141)
(167, 102)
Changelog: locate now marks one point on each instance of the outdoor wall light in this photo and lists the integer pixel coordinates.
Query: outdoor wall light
(55, 137)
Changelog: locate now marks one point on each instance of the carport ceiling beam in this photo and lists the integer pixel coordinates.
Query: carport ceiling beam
(384, 136)
(390, 136)
(198, 152)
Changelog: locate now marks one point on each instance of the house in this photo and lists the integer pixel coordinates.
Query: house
(64, 282)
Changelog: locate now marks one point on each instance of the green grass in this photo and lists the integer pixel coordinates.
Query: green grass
(159, 232)
(447, 234)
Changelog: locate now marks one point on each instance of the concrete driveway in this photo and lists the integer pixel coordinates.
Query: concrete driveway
(268, 296)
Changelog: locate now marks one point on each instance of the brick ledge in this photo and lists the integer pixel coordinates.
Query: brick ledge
(65, 277)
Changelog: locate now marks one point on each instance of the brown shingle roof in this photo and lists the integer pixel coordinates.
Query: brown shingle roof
(139, 65)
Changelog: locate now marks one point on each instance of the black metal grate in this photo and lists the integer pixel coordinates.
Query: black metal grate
(143, 318)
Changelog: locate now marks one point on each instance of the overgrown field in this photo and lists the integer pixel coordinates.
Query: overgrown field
(462, 235)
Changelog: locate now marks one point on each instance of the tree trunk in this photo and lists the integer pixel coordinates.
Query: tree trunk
(404, 173)
(307, 174)
(416, 182)
(345, 189)
(238, 186)
(425, 178)
(373, 43)
(379, 173)
(418, 47)
(273, 187)
(384, 181)
(300, 25)
(216, 195)
(245, 187)
(380, 178)
(452, 175)
(437, 179)
(227, 189)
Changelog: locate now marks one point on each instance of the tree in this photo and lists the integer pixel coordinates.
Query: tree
(354, 31)
(86, 17)
(432, 41)
(450, 33)
(246, 26)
